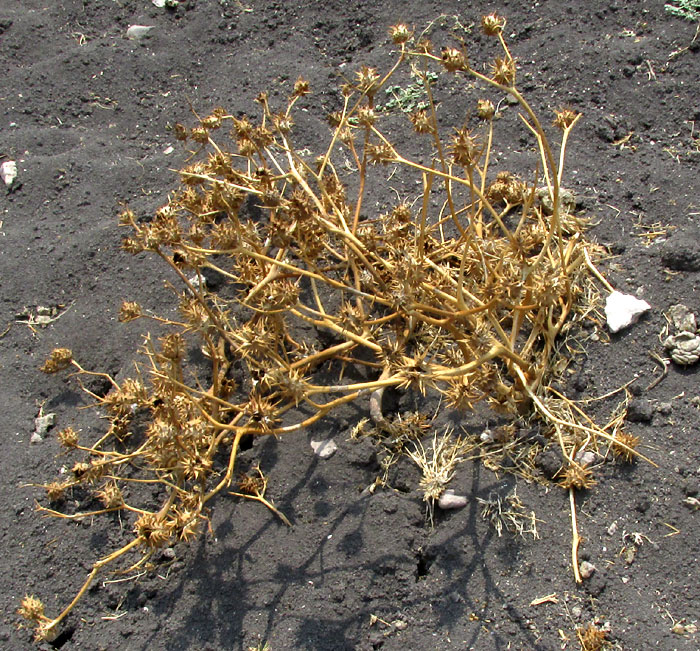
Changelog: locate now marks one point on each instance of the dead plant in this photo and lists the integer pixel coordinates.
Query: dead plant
(468, 299)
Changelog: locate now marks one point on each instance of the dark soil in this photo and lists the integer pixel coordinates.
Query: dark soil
(86, 114)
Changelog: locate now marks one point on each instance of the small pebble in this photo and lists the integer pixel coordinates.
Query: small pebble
(587, 570)
(664, 408)
(681, 251)
(640, 410)
(486, 436)
(136, 32)
(324, 449)
(8, 172)
(168, 554)
(448, 500)
(585, 458)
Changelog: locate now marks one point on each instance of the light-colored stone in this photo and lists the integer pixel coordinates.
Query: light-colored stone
(136, 32)
(448, 500)
(324, 449)
(622, 310)
(8, 172)
(587, 570)
(44, 423)
(585, 458)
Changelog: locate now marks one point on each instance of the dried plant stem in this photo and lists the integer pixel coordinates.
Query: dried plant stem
(575, 538)
(48, 629)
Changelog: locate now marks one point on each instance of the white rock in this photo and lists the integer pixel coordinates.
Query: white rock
(8, 171)
(622, 310)
(448, 500)
(324, 449)
(43, 424)
(36, 438)
(138, 31)
(486, 436)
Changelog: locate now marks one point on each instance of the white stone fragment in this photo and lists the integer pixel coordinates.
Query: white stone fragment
(136, 32)
(622, 310)
(448, 500)
(8, 172)
(324, 449)
(486, 436)
(43, 424)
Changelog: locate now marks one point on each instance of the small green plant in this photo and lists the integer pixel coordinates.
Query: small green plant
(410, 98)
(688, 9)
(464, 290)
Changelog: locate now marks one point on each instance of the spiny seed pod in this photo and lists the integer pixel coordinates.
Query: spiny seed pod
(400, 33)
(32, 609)
(252, 484)
(382, 153)
(577, 477)
(213, 121)
(80, 469)
(503, 71)
(180, 131)
(172, 346)
(624, 445)
(110, 495)
(493, 24)
(301, 87)
(485, 109)
(242, 128)
(68, 437)
(59, 359)
(465, 148)
(151, 530)
(366, 116)
(565, 118)
(200, 135)
(454, 59)
(367, 79)
(421, 122)
(55, 491)
(283, 122)
(129, 311)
